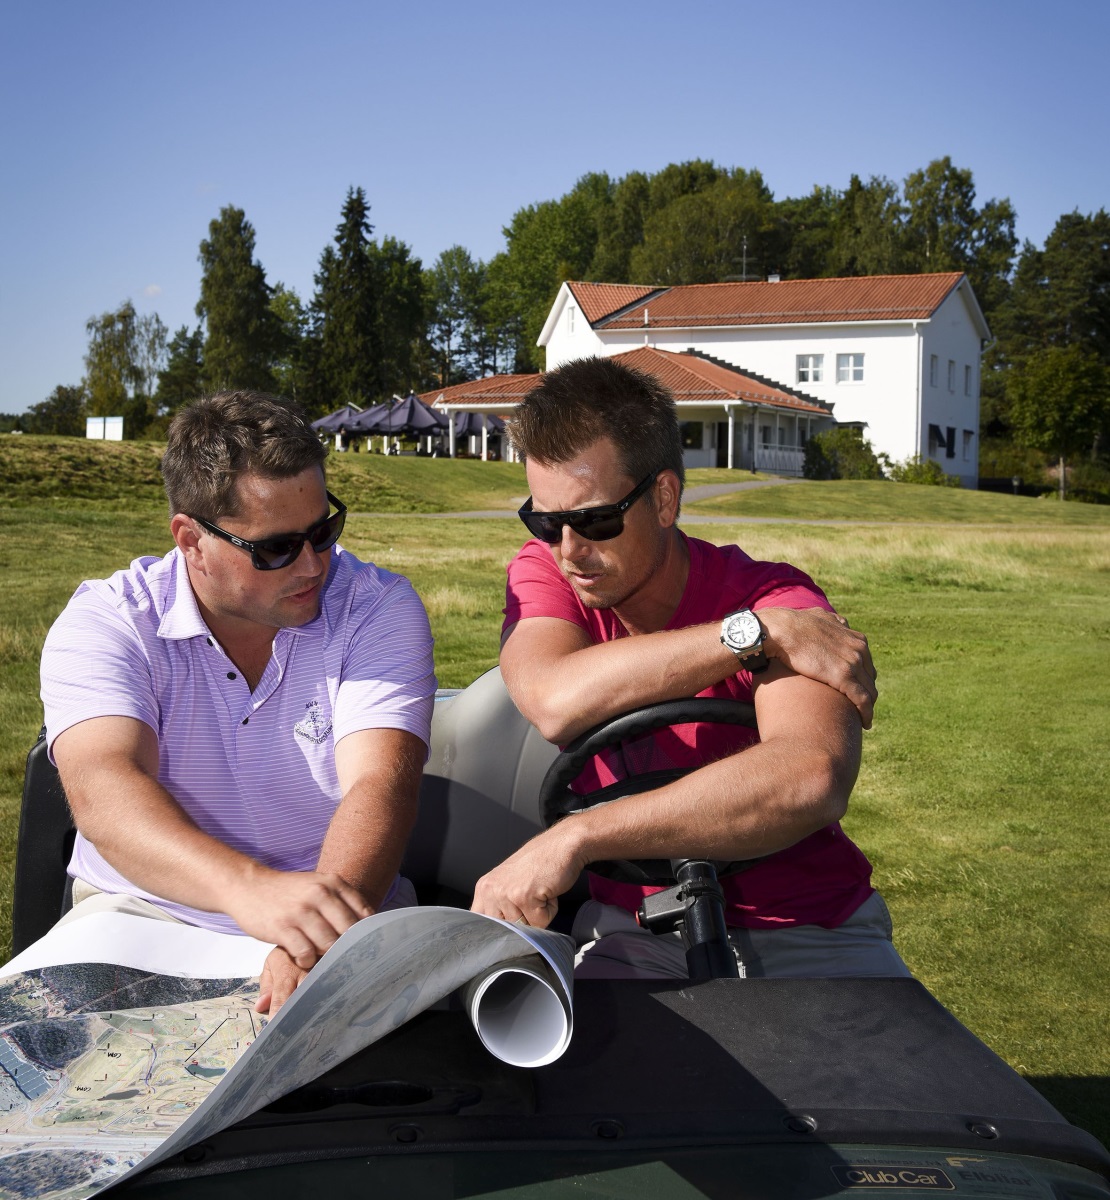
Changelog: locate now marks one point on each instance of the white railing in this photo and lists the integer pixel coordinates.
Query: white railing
(779, 460)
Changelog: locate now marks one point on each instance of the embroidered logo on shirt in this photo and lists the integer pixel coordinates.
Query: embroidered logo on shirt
(312, 726)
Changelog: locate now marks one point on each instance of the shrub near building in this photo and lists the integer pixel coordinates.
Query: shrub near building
(841, 453)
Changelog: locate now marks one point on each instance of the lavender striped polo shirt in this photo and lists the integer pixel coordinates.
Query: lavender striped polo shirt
(256, 770)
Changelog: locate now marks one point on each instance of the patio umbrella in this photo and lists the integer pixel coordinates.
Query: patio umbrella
(341, 416)
(410, 416)
(469, 424)
(364, 421)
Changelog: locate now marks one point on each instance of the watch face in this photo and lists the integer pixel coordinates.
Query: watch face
(743, 631)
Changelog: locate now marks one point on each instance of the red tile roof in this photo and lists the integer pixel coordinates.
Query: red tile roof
(494, 389)
(598, 300)
(802, 301)
(691, 377)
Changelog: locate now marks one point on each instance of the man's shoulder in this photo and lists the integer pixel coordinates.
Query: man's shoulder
(357, 589)
(741, 581)
(140, 593)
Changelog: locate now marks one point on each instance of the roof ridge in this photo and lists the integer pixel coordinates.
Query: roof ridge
(624, 308)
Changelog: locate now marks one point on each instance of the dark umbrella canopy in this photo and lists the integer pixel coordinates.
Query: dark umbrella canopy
(469, 424)
(410, 416)
(364, 422)
(342, 416)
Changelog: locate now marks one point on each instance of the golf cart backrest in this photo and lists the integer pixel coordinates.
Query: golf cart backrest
(478, 803)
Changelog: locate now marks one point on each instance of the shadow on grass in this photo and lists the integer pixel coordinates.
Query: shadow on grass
(1083, 1099)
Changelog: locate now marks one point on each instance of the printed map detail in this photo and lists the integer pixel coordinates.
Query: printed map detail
(76, 1040)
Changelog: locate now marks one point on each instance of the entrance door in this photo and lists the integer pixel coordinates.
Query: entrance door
(722, 445)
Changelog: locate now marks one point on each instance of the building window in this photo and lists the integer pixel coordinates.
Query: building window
(967, 381)
(810, 368)
(765, 435)
(951, 375)
(692, 434)
(968, 435)
(849, 368)
(782, 435)
(934, 366)
(570, 318)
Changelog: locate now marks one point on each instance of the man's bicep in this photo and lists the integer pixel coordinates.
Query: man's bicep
(790, 707)
(531, 650)
(103, 744)
(395, 755)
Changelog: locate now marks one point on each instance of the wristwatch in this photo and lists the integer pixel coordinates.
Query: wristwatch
(742, 633)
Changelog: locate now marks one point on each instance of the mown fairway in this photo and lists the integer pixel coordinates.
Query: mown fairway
(982, 796)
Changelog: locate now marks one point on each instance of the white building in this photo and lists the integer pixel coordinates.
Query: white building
(896, 354)
(725, 416)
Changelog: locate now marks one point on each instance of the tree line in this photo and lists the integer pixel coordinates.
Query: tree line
(379, 323)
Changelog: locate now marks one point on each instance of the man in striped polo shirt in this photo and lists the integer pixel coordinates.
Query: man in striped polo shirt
(240, 726)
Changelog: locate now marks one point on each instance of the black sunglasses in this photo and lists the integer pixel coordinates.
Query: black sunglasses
(273, 553)
(597, 524)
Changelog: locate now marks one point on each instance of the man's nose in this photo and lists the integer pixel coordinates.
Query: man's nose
(573, 546)
(309, 562)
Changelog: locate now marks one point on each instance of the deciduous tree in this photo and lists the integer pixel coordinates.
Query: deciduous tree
(1059, 402)
(62, 412)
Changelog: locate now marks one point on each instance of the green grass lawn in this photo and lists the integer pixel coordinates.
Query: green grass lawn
(864, 500)
(982, 795)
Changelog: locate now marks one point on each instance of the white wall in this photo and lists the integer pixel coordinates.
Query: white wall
(952, 337)
(566, 343)
(887, 399)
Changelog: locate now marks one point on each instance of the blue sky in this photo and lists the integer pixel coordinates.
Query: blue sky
(126, 125)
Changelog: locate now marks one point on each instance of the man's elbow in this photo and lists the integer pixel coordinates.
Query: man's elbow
(829, 784)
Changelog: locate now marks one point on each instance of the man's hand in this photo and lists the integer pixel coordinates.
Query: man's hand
(819, 645)
(526, 887)
(303, 912)
(280, 978)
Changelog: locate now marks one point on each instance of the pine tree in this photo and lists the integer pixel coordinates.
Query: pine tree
(242, 333)
(347, 308)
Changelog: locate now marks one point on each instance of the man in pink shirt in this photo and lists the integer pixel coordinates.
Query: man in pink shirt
(240, 726)
(612, 608)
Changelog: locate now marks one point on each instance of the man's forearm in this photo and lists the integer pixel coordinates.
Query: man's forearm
(755, 803)
(566, 696)
(366, 841)
(143, 833)
(379, 771)
(564, 684)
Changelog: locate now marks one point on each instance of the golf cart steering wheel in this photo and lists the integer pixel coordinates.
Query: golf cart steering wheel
(558, 801)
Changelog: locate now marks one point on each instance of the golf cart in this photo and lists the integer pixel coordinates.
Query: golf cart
(718, 1088)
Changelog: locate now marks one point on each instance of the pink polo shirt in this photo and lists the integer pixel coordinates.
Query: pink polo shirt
(256, 770)
(820, 880)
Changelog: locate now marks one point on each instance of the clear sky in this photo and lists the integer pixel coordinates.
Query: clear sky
(127, 124)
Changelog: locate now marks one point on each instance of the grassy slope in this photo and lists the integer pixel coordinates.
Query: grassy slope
(100, 474)
(858, 500)
(982, 796)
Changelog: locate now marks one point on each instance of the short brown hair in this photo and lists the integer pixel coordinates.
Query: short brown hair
(214, 441)
(591, 398)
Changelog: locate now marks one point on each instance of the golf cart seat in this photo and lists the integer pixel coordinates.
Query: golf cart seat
(476, 808)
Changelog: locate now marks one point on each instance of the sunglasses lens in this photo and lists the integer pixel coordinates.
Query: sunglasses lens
(274, 555)
(326, 534)
(541, 526)
(599, 529)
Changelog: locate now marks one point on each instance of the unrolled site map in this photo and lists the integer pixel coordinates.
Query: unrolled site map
(77, 1040)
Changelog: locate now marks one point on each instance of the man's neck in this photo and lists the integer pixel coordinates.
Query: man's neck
(650, 608)
(248, 644)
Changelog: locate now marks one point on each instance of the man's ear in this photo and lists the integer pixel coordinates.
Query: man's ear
(667, 496)
(186, 536)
